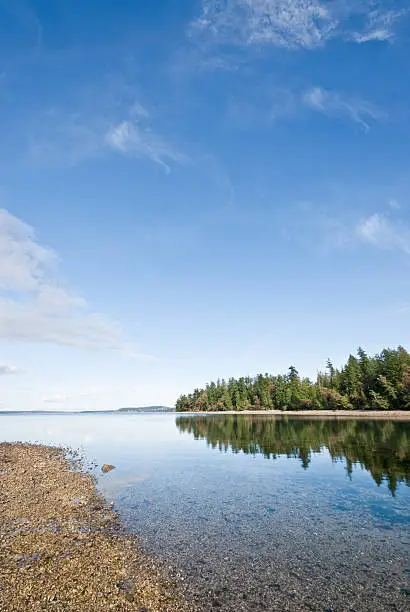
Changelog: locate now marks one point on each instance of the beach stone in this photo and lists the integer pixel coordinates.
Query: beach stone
(107, 468)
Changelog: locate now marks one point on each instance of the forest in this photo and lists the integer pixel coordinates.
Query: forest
(380, 447)
(381, 382)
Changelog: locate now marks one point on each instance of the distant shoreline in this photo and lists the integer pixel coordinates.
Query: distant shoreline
(148, 410)
(403, 415)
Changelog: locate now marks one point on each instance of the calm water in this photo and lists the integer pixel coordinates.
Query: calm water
(256, 512)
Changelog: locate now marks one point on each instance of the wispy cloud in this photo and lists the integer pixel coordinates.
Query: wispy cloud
(284, 23)
(379, 25)
(7, 370)
(114, 128)
(383, 233)
(292, 24)
(35, 306)
(336, 104)
(343, 228)
(134, 135)
(130, 137)
(266, 105)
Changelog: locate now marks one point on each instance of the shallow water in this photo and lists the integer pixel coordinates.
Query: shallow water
(256, 512)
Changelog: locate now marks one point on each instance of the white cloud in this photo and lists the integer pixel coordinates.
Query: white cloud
(377, 34)
(77, 136)
(292, 23)
(284, 23)
(129, 136)
(23, 262)
(6, 370)
(379, 25)
(267, 104)
(35, 306)
(336, 104)
(381, 232)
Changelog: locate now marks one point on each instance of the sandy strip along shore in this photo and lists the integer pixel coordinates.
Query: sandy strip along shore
(403, 415)
(62, 548)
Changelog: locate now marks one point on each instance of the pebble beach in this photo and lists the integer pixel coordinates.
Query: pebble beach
(62, 546)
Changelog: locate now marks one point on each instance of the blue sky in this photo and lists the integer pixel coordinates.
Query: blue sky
(198, 189)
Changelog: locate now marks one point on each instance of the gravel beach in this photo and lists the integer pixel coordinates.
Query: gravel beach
(63, 548)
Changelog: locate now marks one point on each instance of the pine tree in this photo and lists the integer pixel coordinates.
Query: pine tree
(381, 382)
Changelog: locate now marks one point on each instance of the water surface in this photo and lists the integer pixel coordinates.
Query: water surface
(256, 512)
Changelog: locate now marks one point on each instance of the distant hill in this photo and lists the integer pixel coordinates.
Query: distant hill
(65, 412)
(147, 409)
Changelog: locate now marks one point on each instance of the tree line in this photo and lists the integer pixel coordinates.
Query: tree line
(381, 382)
(380, 447)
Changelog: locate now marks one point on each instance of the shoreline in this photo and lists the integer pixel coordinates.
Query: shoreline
(62, 547)
(403, 415)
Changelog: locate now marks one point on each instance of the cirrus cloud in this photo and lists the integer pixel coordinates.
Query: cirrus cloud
(336, 104)
(379, 25)
(117, 127)
(383, 233)
(294, 24)
(130, 137)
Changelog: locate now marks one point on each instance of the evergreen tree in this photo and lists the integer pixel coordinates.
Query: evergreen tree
(381, 382)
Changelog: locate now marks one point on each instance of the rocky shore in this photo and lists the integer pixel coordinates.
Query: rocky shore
(61, 546)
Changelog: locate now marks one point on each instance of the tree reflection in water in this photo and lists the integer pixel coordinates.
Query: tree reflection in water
(380, 447)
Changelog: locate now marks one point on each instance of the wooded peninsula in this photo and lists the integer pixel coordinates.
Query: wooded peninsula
(381, 382)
